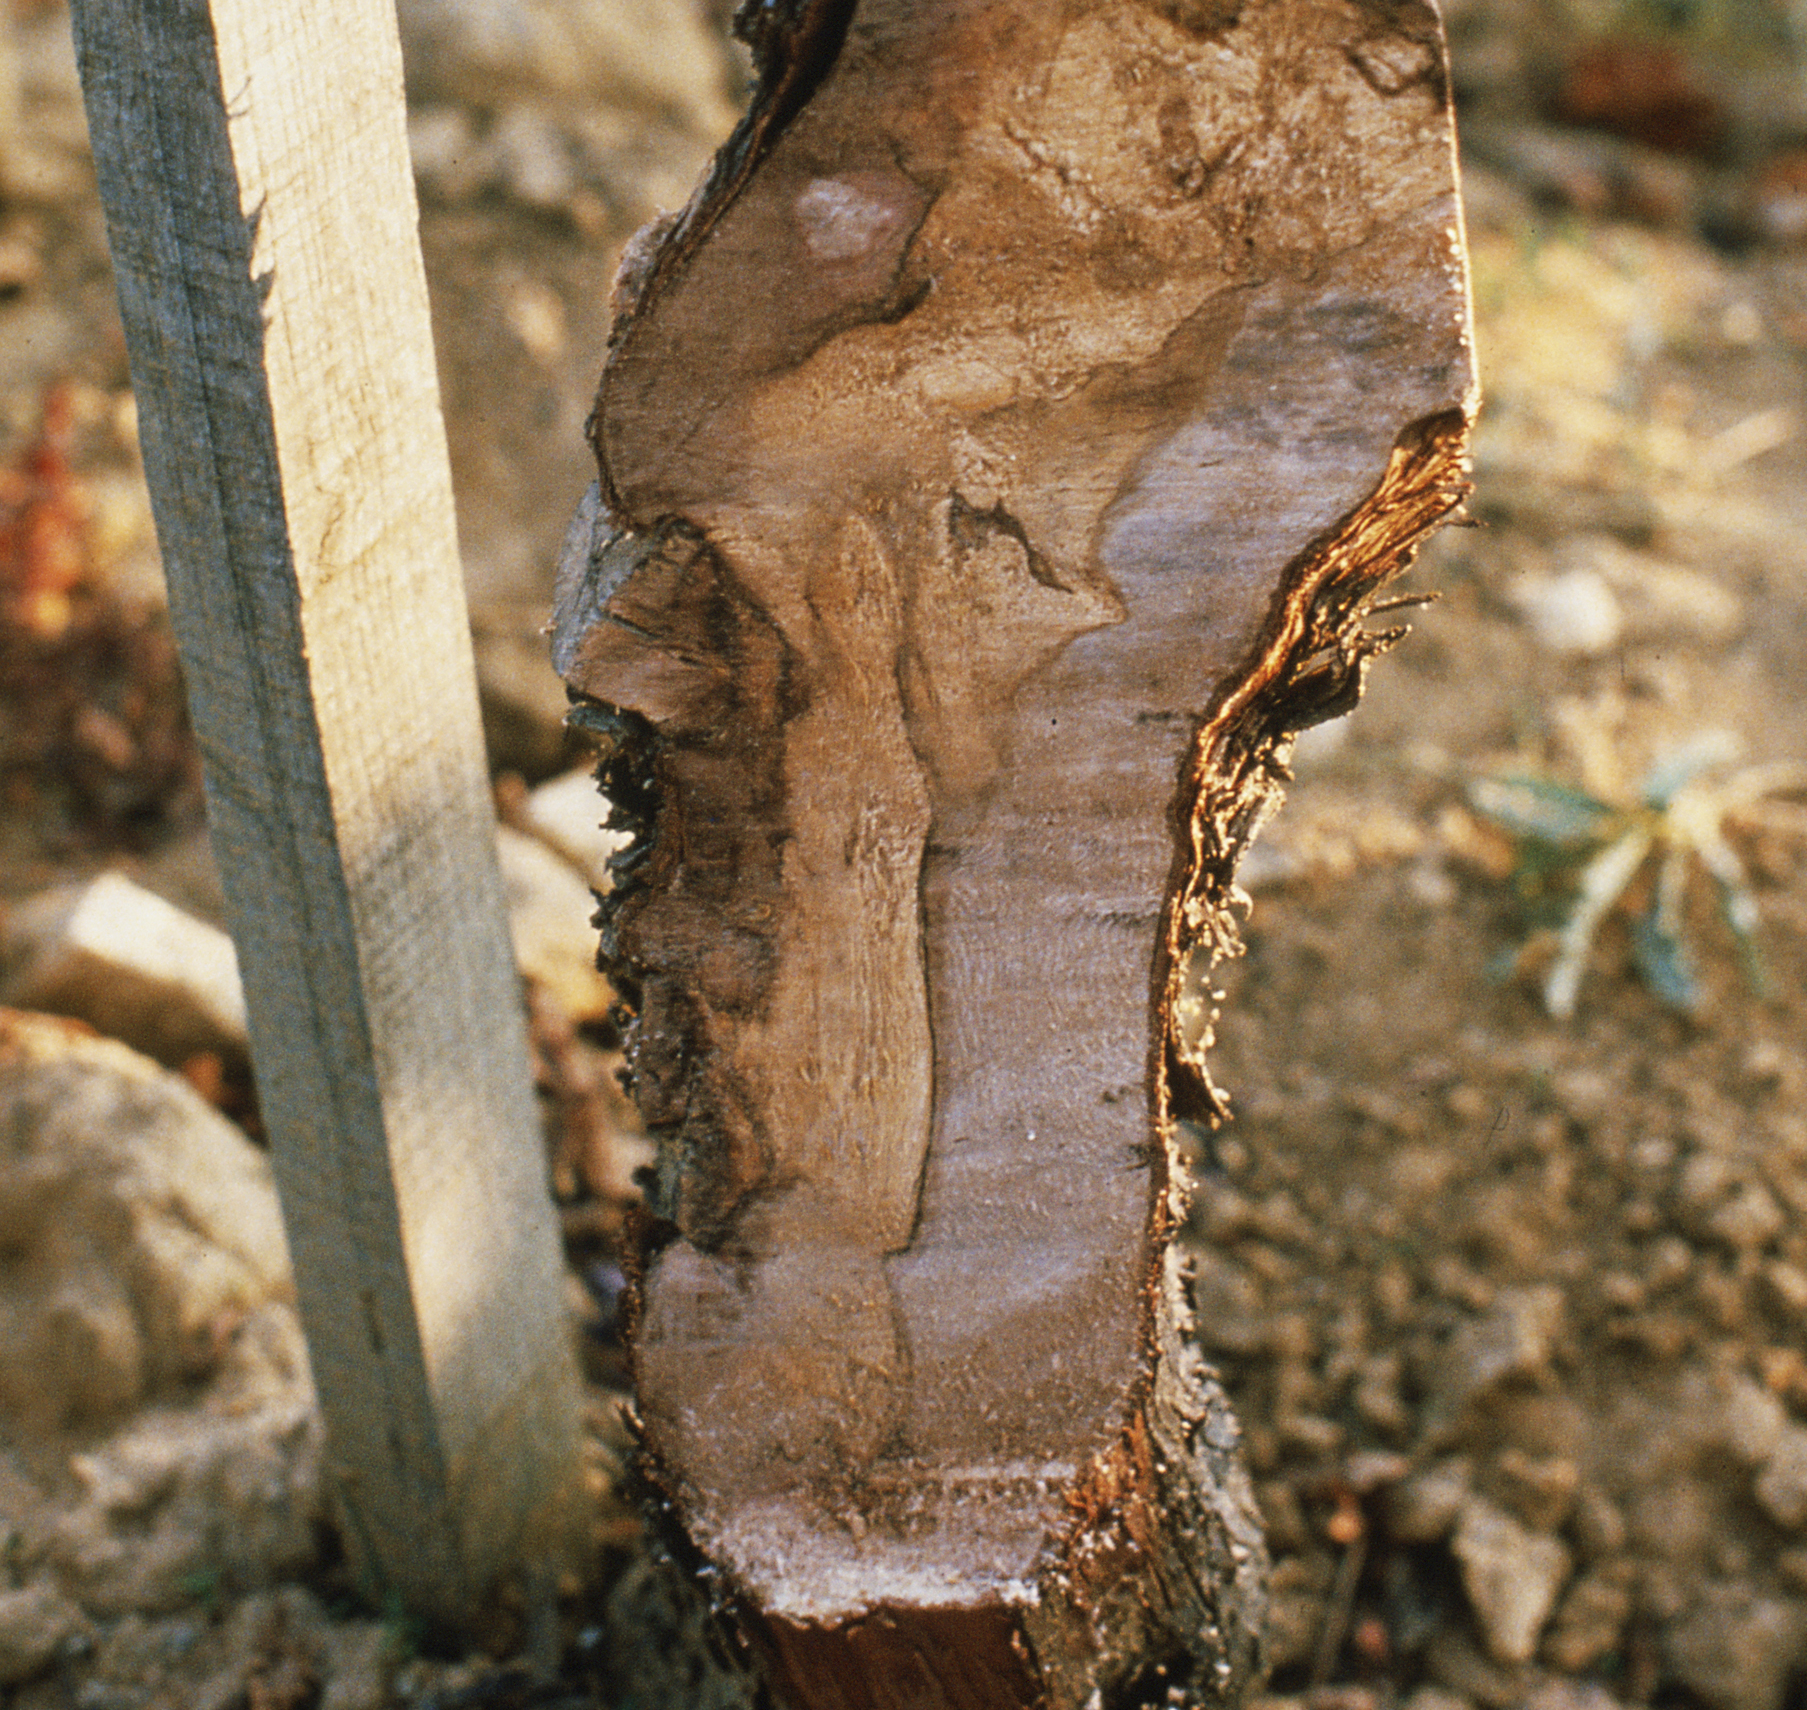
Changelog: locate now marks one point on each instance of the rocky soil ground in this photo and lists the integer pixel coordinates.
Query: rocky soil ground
(1513, 1302)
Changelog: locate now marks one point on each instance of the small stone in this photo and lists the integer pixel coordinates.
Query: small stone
(1436, 1698)
(1640, 1216)
(36, 1622)
(1574, 612)
(1227, 1304)
(1282, 1517)
(1785, 1371)
(1342, 1697)
(1460, 1282)
(448, 156)
(1659, 600)
(1279, 1218)
(1591, 1619)
(1541, 1421)
(1368, 1470)
(1752, 1419)
(1377, 1397)
(1394, 1293)
(1736, 1651)
(653, 57)
(1661, 1593)
(1511, 1575)
(1452, 1661)
(1669, 1262)
(1570, 1695)
(1653, 1152)
(1749, 1219)
(1468, 1104)
(1787, 1285)
(1792, 1566)
(1539, 1489)
(1268, 1263)
(523, 703)
(1598, 1526)
(1512, 1340)
(1618, 1289)
(1723, 1298)
(1424, 1508)
(1675, 1519)
(1782, 1484)
(1294, 1620)
(1704, 1179)
(1310, 1434)
(1585, 1093)
(533, 159)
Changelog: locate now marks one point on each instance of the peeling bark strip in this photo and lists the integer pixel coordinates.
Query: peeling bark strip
(998, 460)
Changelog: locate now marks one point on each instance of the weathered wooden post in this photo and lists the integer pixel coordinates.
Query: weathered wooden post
(253, 161)
(998, 459)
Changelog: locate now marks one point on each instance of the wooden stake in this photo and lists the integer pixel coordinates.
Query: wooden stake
(253, 160)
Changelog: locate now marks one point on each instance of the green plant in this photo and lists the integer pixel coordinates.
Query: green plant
(205, 1586)
(1595, 857)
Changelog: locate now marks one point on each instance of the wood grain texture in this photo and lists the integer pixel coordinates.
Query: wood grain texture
(997, 459)
(253, 162)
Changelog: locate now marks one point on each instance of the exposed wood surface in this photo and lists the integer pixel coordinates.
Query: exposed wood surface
(253, 161)
(997, 459)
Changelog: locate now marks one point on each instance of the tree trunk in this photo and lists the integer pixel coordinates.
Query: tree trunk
(999, 456)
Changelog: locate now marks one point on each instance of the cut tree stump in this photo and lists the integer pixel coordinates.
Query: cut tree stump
(253, 162)
(999, 457)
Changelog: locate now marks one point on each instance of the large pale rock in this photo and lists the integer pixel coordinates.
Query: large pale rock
(137, 1227)
(140, 1254)
(137, 968)
(191, 1497)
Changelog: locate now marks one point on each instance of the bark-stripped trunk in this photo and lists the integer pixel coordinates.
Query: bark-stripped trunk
(998, 459)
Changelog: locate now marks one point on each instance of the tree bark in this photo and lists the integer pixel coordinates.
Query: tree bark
(998, 459)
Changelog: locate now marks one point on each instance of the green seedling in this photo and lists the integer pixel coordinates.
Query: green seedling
(205, 1586)
(1593, 852)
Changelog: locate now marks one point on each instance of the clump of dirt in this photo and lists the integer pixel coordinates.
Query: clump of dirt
(95, 746)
